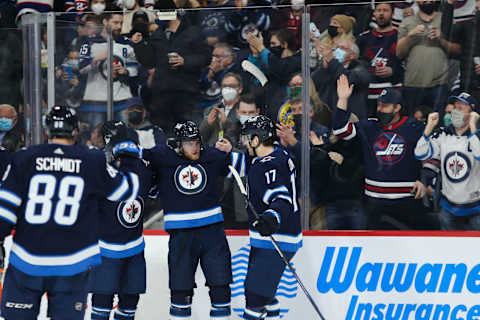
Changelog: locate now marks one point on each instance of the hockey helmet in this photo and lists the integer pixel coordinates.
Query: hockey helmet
(186, 131)
(61, 122)
(260, 126)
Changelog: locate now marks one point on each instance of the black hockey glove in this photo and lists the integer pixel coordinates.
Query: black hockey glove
(121, 140)
(266, 224)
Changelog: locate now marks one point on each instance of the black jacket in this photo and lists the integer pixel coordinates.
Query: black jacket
(189, 43)
(325, 80)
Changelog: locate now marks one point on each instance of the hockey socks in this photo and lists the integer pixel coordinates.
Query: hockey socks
(273, 310)
(127, 306)
(180, 311)
(251, 313)
(220, 311)
(99, 313)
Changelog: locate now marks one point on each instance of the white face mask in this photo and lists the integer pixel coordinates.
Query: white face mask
(229, 93)
(129, 4)
(457, 118)
(98, 8)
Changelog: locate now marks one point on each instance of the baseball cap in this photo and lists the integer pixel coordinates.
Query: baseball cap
(390, 95)
(135, 101)
(466, 98)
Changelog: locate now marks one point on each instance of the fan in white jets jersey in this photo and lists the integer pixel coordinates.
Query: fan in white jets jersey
(458, 148)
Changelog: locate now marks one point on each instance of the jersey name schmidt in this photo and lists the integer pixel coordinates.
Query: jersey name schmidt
(58, 164)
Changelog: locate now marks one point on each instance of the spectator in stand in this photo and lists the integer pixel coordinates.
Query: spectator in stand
(178, 53)
(291, 135)
(245, 20)
(98, 7)
(247, 108)
(8, 120)
(340, 28)
(421, 43)
(393, 190)
(10, 57)
(343, 60)
(136, 12)
(421, 113)
(212, 21)
(402, 10)
(68, 90)
(291, 19)
(466, 34)
(96, 138)
(280, 111)
(149, 135)
(93, 57)
(279, 62)
(458, 148)
(223, 62)
(218, 116)
(378, 49)
(338, 176)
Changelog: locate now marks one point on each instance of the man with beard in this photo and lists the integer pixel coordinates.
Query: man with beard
(378, 49)
(393, 191)
(193, 217)
(422, 43)
(93, 65)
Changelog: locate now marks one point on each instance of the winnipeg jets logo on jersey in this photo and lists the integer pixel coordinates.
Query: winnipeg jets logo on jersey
(457, 166)
(190, 179)
(267, 158)
(389, 148)
(129, 212)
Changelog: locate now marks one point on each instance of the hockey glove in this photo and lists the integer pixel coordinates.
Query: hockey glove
(266, 224)
(121, 140)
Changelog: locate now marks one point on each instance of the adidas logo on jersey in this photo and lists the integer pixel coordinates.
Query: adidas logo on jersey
(58, 151)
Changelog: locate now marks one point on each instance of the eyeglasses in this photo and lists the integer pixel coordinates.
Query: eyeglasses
(219, 57)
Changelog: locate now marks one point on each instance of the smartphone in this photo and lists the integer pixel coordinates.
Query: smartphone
(67, 68)
(314, 29)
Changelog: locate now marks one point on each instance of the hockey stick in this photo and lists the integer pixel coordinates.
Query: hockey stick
(243, 191)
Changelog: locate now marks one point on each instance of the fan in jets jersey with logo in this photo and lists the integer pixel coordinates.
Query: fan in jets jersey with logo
(189, 187)
(390, 166)
(50, 195)
(460, 166)
(96, 86)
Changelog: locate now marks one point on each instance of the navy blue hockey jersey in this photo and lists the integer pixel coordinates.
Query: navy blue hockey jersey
(121, 223)
(188, 188)
(391, 168)
(50, 194)
(379, 49)
(272, 190)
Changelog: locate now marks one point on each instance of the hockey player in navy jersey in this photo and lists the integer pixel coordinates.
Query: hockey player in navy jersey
(49, 195)
(193, 217)
(458, 149)
(272, 192)
(392, 187)
(123, 268)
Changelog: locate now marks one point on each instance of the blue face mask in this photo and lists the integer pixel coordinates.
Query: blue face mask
(6, 124)
(340, 54)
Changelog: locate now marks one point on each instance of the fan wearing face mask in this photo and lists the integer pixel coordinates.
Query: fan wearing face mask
(135, 9)
(423, 43)
(218, 117)
(149, 135)
(458, 148)
(343, 59)
(393, 191)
